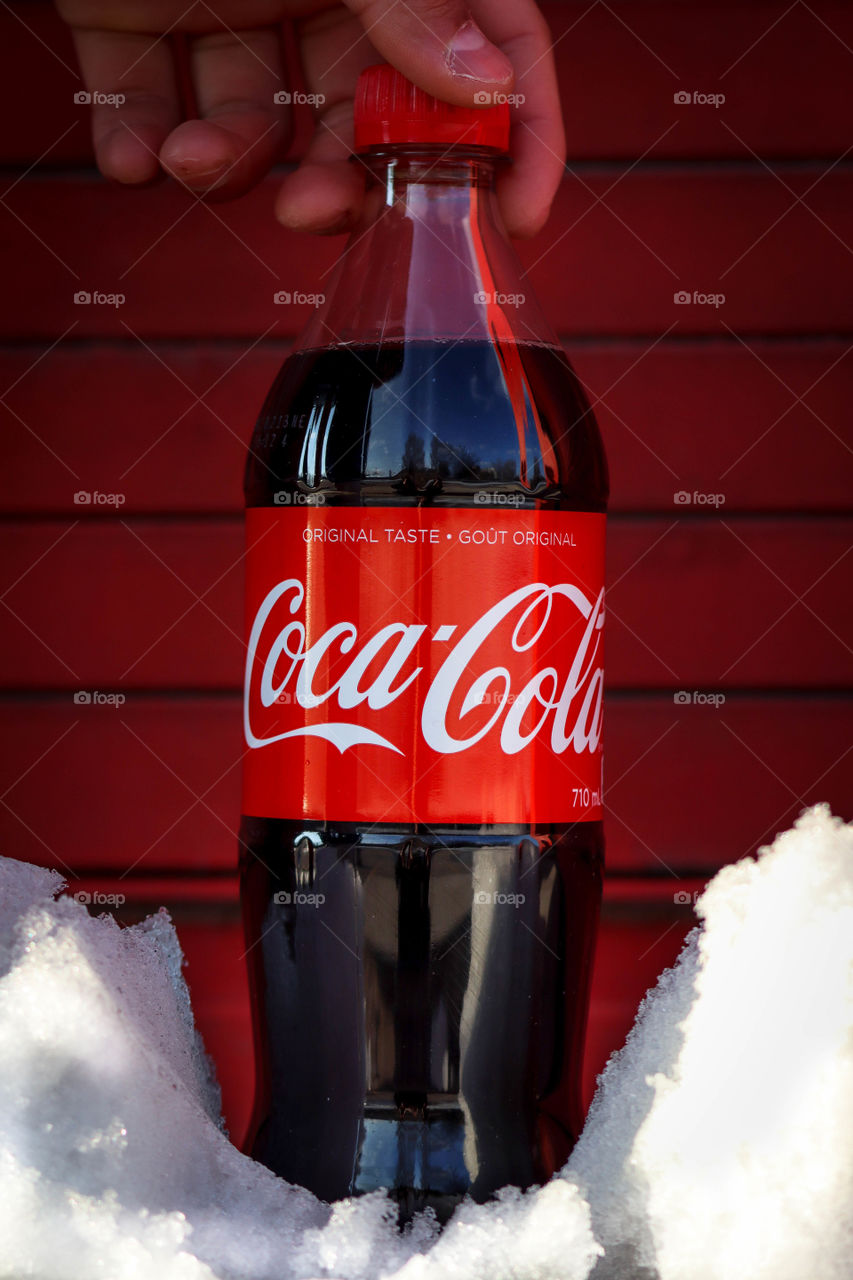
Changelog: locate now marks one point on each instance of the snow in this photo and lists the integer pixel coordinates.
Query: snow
(719, 1145)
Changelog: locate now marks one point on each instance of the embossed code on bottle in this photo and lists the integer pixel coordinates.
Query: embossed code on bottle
(423, 665)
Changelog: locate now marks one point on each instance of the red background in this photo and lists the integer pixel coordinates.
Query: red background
(155, 400)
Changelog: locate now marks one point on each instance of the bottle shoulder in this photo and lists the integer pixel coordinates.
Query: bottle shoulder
(429, 420)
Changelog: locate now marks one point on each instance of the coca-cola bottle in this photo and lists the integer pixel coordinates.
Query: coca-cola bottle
(422, 850)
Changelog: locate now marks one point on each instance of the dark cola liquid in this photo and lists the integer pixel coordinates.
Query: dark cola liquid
(410, 1035)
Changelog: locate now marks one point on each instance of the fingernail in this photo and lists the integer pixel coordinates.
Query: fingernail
(470, 56)
(196, 179)
(188, 168)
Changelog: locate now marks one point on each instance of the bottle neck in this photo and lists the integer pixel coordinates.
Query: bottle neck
(429, 258)
(401, 171)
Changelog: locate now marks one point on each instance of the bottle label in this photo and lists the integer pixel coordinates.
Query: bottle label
(423, 665)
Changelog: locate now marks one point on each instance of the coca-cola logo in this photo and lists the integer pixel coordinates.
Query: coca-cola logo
(350, 666)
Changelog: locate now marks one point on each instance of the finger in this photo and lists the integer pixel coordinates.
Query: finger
(527, 187)
(241, 128)
(437, 44)
(135, 100)
(325, 193)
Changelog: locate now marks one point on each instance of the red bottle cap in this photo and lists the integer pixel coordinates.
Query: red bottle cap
(389, 109)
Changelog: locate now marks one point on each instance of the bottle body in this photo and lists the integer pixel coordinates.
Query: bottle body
(422, 1028)
(421, 898)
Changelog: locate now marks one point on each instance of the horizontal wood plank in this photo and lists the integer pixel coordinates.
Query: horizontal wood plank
(153, 787)
(166, 428)
(621, 64)
(612, 260)
(619, 67)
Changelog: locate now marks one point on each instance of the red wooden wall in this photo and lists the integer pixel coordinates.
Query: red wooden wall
(748, 600)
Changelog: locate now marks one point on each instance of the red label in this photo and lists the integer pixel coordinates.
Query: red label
(423, 665)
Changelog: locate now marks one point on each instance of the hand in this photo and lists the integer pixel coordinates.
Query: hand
(236, 66)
